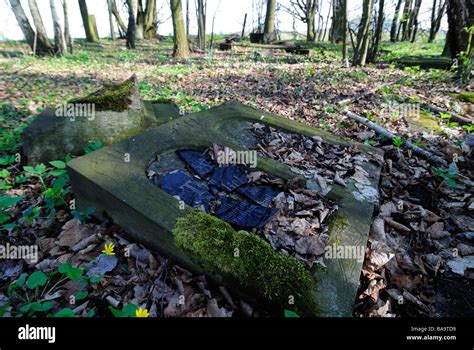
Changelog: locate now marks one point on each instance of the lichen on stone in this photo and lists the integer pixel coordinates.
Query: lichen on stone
(111, 97)
(249, 259)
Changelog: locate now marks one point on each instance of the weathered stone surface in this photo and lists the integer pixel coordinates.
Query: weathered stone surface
(116, 117)
(425, 62)
(104, 180)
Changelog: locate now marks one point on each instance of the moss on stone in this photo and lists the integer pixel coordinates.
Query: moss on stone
(423, 122)
(249, 259)
(111, 97)
(466, 96)
(425, 62)
(337, 224)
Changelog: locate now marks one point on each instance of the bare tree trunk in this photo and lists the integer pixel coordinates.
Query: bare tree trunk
(111, 21)
(139, 21)
(59, 41)
(151, 21)
(393, 29)
(67, 31)
(243, 26)
(41, 35)
(436, 17)
(187, 19)
(269, 27)
(378, 32)
(311, 7)
(362, 46)
(39, 47)
(181, 47)
(406, 19)
(131, 30)
(344, 37)
(413, 25)
(337, 29)
(201, 19)
(89, 23)
(116, 14)
(460, 16)
(327, 21)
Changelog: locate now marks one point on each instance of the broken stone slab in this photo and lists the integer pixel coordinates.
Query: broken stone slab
(425, 62)
(111, 114)
(122, 189)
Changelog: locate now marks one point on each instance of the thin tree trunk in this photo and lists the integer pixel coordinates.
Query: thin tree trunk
(269, 26)
(378, 32)
(187, 19)
(89, 23)
(344, 37)
(327, 21)
(406, 19)
(131, 29)
(41, 35)
(360, 54)
(181, 47)
(111, 21)
(201, 19)
(414, 20)
(243, 26)
(67, 31)
(59, 41)
(436, 17)
(393, 29)
(151, 21)
(39, 47)
(116, 14)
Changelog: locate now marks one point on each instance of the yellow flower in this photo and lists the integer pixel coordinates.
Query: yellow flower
(109, 249)
(142, 313)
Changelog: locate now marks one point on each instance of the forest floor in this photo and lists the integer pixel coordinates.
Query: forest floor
(419, 260)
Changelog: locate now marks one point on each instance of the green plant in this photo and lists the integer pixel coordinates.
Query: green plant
(398, 142)
(85, 215)
(447, 175)
(30, 295)
(469, 128)
(128, 310)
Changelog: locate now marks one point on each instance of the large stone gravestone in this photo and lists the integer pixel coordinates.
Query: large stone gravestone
(110, 114)
(114, 180)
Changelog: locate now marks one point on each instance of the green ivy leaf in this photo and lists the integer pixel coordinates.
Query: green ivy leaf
(73, 273)
(8, 201)
(4, 173)
(66, 312)
(58, 164)
(129, 310)
(290, 314)
(36, 279)
(96, 278)
(81, 295)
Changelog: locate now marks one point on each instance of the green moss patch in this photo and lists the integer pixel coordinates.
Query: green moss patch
(112, 97)
(423, 122)
(249, 259)
(466, 96)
